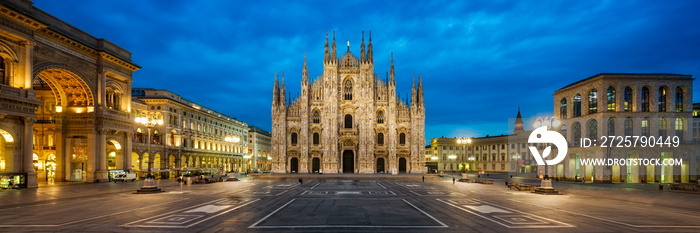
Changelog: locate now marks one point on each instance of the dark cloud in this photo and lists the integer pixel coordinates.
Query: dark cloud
(480, 60)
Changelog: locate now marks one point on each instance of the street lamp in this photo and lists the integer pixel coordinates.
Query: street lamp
(516, 157)
(149, 120)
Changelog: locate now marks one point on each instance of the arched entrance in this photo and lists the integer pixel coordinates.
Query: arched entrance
(348, 161)
(294, 165)
(315, 165)
(402, 165)
(380, 165)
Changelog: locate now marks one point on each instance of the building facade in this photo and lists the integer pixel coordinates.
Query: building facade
(191, 138)
(259, 147)
(65, 99)
(348, 120)
(642, 105)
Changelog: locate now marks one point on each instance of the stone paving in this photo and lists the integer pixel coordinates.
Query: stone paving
(346, 205)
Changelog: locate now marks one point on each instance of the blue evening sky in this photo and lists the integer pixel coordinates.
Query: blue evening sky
(480, 60)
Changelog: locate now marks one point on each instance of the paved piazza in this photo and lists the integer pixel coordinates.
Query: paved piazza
(320, 205)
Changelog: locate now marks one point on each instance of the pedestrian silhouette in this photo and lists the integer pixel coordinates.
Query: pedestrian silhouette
(423, 178)
(453, 180)
(301, 181)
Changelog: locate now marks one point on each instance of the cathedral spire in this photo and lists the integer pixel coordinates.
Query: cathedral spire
(305, 73)
(362, 48)
(334, 56)
(327, 56)
(276, 92)
(283, 99)
(413, 90)
(518, 127)
(369, 49)
(420, 91)
(391, 69)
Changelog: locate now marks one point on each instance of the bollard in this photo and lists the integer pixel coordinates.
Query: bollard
(661, 187)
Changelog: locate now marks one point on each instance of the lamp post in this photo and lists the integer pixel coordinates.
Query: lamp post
(149, 120)
(516, 157)
(551, 123)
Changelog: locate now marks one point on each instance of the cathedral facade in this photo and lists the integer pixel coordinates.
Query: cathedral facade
(348, 120)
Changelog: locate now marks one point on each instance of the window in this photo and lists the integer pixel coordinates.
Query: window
(611, 99)
(679, 128)
(380, 139)
(562, 108)
(593, 101)
(348, 89)
(662, 99)
(645, 127)
(156, 137)
(628, 99)
(645, 99)
(663, 127)
(628, 127)
(679, 99)
(294, 139)
(348, 121)
(592, 129)
(402, 138)
(316, 139)
(380, 117)
(316, 117)
(577, 105)
(611, 127)
(2, 72)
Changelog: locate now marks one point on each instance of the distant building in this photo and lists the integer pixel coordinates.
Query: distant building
(192, 137)
(259, 147)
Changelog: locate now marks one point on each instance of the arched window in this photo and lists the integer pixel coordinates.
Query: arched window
(592, 129)
(139, 135)
(611, 127)
(2, 72)
(645, 99)
(662, 99)
(593, 101)
(679, 99)
(611, 99)
(348, 121)
(628, 127)
(380, 117)
(645, 127)
(680, 127)
(562, 108)
(402, 138)
(316, 117)
(577, 105)
(577, 133)
(348, 90)
(156, 137)
(316, 139)
(294, 139)
(663, 127)
(629, 101)
(380, 139)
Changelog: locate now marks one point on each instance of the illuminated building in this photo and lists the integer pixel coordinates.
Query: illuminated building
(259, 146)
(192, 137)
(348, 120)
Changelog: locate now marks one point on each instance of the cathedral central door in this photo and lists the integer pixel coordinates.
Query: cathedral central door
(294, 166)
(348, 162)
(380, 165)
(402, 165)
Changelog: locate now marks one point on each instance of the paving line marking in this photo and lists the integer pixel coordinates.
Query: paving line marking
(380, 184)
(255, 225)
(200, 221)
(273, 212)
(607, 220)
(415, 193)
(165, 214)
(88, 219)
(504, 225)
(315, 185)
(548, 219)
(282, 192)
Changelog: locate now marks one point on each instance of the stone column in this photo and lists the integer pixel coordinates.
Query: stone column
(28, 152)
(127, 149)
